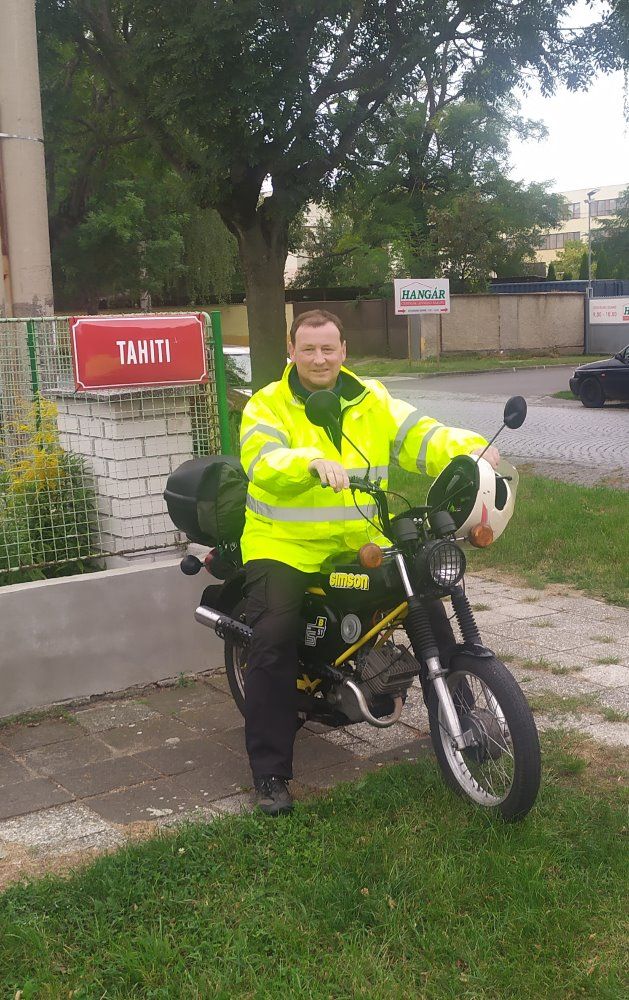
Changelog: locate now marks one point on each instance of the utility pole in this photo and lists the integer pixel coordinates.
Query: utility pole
(586, 338)
(24, 239)
(589, 205)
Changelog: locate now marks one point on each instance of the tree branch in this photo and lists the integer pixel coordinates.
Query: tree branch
(110, 57)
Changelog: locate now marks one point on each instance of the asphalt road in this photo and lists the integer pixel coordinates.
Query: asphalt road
(560, 438)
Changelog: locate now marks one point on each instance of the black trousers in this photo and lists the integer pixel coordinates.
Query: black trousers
(274, 593)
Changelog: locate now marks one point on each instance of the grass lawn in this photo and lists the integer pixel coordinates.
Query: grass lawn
(564, 394)
(559, 533)
(389, 889)
(378, 367)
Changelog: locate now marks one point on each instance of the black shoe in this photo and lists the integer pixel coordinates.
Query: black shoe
(273, 796)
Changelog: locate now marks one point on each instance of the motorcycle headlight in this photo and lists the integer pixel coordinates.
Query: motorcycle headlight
(441, 563)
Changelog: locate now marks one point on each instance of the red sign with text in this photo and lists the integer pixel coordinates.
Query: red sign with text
(124, 351)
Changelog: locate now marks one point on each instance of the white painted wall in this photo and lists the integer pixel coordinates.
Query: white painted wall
(102, 632)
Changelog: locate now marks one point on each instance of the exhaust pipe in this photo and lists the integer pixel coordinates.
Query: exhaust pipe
(355, 704)
(223, 625)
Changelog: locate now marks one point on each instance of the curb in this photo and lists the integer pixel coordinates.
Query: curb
(476, 371)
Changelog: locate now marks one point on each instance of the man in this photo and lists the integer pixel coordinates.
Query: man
(293, 524)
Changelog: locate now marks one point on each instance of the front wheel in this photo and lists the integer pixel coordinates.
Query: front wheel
(501, 769)
(592, 394)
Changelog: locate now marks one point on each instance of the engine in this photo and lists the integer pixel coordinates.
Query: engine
(388, 670)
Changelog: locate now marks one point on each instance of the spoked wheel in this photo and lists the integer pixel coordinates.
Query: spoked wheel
(501, 768)
(236, 662)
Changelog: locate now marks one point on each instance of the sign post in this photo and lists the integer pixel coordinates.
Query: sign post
(221, 383)
(417, 297)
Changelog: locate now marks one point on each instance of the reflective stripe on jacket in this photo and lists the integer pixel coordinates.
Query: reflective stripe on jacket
(290, 516)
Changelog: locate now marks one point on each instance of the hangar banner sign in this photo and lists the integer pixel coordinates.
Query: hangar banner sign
(417, 296)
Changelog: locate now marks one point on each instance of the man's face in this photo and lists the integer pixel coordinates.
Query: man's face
(318, 353)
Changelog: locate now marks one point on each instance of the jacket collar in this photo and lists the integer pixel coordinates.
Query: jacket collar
(348, 386)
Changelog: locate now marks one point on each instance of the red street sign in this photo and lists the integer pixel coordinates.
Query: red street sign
(124, 351)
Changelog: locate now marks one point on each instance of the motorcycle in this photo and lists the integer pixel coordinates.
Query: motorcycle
(375, 623)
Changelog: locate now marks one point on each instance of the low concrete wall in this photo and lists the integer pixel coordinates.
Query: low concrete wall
(528, 322)
(102, 632)
(544, 321)
(472, 325)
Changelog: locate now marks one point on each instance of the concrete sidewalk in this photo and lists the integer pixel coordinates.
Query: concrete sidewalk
(117, 769)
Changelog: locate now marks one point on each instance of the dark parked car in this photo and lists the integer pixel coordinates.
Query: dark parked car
(601, 380)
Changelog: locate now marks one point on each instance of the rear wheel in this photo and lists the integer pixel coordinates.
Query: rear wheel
(236, 661)
(592, 394)
(501, 768)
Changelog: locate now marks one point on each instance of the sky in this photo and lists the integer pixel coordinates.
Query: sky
(588, 138)
(588, 132)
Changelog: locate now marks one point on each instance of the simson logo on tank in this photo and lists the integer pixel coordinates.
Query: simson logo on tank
(421, 295)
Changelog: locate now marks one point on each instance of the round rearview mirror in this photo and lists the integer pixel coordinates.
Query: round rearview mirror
(323, 408)
(515, 412)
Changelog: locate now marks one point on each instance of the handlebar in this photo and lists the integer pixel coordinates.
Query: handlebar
(364, 485)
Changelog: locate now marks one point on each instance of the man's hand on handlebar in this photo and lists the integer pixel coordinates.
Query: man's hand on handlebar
(330, 473)
(492, 455)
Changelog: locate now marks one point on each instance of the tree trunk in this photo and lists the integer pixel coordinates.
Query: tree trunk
(263, 249)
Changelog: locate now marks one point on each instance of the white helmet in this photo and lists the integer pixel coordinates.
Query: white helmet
(479, 499)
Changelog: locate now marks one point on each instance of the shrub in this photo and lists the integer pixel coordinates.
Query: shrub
(47, 505)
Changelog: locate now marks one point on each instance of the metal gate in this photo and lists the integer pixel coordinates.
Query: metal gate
(607, 325)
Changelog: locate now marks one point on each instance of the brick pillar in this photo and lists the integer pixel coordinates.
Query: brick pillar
(131, 441)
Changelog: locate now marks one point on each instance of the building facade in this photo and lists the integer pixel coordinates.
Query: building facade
(575, 226)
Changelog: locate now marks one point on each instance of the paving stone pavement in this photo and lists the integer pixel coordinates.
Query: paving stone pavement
(598, 453)
(124, 767)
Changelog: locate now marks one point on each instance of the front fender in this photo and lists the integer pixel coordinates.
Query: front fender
(478, 651)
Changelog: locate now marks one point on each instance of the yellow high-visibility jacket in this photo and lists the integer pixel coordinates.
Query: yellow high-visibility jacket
(290, 517)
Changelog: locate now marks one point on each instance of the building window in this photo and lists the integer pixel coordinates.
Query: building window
(605, 206)
(574, 210)
(557, 241)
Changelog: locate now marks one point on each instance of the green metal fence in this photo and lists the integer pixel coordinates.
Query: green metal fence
(82, 474)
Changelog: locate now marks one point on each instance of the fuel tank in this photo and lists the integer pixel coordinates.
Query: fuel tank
(350, 595)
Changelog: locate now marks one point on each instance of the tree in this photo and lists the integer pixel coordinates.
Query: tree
(466, 220)
(611, 243)
(552, 274)
(121, 221)
(336, 255)
(584, 271)
(602, 264)
(610, 38)
(233, 94)
(570, 258)
(484, 232)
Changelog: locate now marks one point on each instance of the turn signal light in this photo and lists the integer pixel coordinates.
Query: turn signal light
(481, 536)
(370, 556)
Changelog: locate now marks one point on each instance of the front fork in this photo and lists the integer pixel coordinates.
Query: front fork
(425, 649)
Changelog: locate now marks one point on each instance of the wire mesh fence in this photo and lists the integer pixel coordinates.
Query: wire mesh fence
(82, 473)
